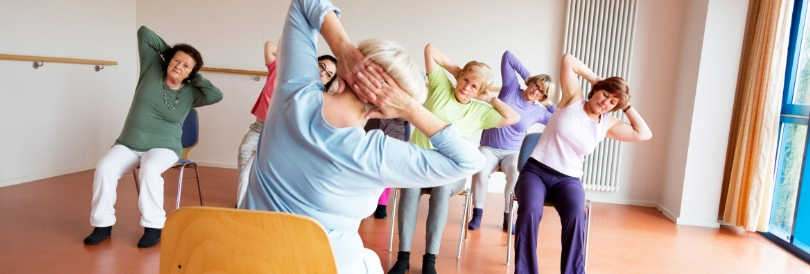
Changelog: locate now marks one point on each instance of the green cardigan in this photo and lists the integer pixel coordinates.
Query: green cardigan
(150, 123)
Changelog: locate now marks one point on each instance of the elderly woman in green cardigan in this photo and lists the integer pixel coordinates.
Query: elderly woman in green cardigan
(168, 87)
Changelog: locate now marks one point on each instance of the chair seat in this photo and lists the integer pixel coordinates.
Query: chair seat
(426, 191)
(183, 162)
(462, 234)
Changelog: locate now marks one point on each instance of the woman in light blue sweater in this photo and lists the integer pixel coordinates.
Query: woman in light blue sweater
(315, 159)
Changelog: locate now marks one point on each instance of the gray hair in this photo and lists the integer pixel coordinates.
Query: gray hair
(397, 62)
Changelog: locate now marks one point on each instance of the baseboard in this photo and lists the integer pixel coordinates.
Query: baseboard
(620, 201)
(216, 164)
(682, 221)
(666, 212)
(45, 175)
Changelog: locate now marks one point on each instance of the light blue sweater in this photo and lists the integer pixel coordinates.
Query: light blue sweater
(335, 175)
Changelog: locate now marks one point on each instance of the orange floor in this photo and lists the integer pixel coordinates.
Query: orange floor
(43, 224)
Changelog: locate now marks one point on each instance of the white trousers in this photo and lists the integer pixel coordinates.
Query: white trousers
(119, 160)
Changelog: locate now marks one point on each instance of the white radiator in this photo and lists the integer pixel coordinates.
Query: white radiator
(600, 33)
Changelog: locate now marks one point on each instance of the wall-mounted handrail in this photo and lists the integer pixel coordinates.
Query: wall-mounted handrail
(39, 60)
(257, 73)
(235, 71)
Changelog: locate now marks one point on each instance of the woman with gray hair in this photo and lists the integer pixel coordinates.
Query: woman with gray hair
(315, 159)
(500, 146)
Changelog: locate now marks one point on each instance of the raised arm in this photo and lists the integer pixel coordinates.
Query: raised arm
(435, 57)
(509, 66)
(409, 166)
(545, 114)
(270, 49)
(209, 94)
(394, 102)
(150, 46)
(509, 115)
(298, 52)
(570, 68)
(635, 131)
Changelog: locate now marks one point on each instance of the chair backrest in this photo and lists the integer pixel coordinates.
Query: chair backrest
(191, 132)
(527, 147)
(222, 240)
(407, 131)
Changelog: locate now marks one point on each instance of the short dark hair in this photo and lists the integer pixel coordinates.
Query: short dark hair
(616, 86)
(187, 49)
(328, 85)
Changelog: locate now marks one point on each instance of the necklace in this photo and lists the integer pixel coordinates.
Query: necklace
(176, 98)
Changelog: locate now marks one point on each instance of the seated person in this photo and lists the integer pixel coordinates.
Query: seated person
(315, 159)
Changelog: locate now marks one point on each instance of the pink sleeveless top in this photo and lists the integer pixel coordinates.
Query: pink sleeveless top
(568, 137)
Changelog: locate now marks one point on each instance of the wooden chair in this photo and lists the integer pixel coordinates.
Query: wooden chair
(222, 240)
(526, 149)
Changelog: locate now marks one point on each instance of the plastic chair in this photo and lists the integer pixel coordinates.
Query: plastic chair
(222, 240)
(462, 236)
(189, 139)
(526, 148)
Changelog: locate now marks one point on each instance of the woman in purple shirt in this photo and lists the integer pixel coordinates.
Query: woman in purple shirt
(500, 146)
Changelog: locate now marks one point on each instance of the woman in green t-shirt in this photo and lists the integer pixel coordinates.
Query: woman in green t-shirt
(452, 104)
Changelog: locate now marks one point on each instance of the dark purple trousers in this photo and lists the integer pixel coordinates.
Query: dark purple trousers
(537, 184)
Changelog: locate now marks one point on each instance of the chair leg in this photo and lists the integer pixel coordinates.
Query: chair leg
(199, 186)
(510, 227)
(137, 186)
(393, 219)
(461, 236)
(588, 207)
(467, 213)
(179, 186)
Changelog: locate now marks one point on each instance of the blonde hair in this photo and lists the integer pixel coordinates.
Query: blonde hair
(546, 82)
(478, 70)
(398, 63)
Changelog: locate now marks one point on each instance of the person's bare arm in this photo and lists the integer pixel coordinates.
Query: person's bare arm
(435, 57)
(635, 131)
(509, 115)
(270, 50)
(394, 102)
(570, 69)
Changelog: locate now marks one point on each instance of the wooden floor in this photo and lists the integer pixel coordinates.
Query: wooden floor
(43, 223)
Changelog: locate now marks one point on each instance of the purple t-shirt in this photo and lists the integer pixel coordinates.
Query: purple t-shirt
(510, 137)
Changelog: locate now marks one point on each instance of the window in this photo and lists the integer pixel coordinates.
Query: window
(789, 225)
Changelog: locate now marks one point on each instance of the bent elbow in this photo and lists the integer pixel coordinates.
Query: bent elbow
(513, 120)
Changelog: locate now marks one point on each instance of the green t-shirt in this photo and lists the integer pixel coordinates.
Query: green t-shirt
(150, 123)
(442, 102)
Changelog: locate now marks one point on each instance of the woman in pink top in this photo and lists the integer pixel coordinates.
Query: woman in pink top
(327, 65)
(554, 169)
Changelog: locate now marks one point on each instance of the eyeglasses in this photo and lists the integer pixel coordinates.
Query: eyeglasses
(537, 89)
(322, 67)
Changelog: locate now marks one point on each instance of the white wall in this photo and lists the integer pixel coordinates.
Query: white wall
(69, 114)
(465, 30)
(698, 149)
(653, 85)
(688, 61)
(232, 35)
(61, 118)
